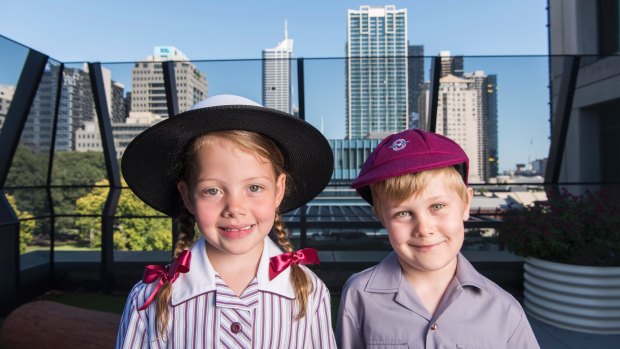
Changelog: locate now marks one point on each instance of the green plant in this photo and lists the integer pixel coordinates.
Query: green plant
(581, 230)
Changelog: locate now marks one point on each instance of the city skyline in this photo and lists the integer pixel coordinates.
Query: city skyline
(325, 81)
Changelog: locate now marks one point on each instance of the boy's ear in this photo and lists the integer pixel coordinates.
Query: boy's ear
(467, 206)
(376, 213)
(183, 189)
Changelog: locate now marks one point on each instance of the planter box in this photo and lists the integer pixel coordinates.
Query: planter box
(577, 298)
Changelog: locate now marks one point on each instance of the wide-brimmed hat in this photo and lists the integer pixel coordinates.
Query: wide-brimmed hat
(150, 164)
(409, 151)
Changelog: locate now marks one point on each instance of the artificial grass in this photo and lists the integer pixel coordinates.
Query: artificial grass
(93, 301)
(116, 303)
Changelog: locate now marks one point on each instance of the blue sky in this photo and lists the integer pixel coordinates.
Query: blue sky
(125, 31)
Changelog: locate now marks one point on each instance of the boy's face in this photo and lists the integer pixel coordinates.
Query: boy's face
(426, 230)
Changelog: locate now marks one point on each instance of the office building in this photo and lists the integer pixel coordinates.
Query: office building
(88, 137)
(349, 156)
(76, 107)
(277, 89)
(376, 72)
(147, 81)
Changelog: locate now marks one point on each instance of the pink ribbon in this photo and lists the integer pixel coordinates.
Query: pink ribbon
(277, 264)
(164, 274)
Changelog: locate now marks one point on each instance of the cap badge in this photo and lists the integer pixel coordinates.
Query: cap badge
(399, 144)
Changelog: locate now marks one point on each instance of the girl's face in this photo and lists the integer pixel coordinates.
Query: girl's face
(426, 230)
(234, 196)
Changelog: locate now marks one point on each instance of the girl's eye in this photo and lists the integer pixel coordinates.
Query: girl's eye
(255, 188)
(402, 214)
(437, 206)
(212, 191)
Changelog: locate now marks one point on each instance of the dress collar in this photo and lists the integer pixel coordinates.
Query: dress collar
(200, 278)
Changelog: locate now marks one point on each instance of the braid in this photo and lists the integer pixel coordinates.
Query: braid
(301, 282)
(187, 234)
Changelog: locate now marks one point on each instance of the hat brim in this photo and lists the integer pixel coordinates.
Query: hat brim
(150, 162)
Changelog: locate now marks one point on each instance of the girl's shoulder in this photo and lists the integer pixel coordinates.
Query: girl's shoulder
(318, 286)
(140, 293)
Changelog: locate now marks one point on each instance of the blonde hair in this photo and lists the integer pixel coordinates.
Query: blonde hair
(262, 147)
(399, 188)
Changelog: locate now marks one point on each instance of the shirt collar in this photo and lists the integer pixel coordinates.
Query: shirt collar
(467, 275)
(387, 275)
(200, 278)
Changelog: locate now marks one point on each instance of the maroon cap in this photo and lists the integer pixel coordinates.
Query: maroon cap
(409, 151)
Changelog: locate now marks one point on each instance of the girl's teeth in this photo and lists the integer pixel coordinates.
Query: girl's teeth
(237, 229)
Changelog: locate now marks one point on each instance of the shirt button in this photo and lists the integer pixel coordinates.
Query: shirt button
(235, 327)
(434, 327)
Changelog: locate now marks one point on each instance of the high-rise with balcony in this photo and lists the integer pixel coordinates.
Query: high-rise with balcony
(451, 64)
(147, 81)
(376, 72)
(277, 75)
(467, 113)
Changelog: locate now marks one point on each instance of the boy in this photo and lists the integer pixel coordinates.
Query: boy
(425, 294)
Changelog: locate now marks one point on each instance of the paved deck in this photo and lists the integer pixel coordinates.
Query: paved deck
(551, 337)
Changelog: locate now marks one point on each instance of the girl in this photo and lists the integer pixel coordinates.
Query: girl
(227, 168)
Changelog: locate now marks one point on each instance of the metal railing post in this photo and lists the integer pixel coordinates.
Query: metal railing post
(172, 104)
(112, 171)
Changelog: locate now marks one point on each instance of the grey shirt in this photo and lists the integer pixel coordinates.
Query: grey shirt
(379, 309)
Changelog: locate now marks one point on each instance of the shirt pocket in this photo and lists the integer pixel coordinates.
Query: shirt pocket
(387, 344)
(472, 346)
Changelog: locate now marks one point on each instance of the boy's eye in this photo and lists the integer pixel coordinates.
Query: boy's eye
(255, 188)
(402, 214)
(437, 206)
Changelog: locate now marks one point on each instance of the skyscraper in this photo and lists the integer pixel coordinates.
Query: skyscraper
(415, 75)
(277, 75)
(467, 113)
(147, 80)
(491, 102)
(376, 72)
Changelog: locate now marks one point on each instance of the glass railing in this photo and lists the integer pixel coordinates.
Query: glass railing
(60, 207)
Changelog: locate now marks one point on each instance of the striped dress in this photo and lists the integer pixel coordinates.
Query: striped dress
(205, 313)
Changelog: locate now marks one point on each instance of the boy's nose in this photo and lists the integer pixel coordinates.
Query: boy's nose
(423, 227)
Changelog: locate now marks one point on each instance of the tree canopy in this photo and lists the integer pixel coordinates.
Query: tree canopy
(133, 234)
(26, 225)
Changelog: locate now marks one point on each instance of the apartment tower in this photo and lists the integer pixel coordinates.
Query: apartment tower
(376, 72)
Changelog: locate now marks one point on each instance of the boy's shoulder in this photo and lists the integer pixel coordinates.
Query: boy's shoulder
(468, 275)
(384, 276)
